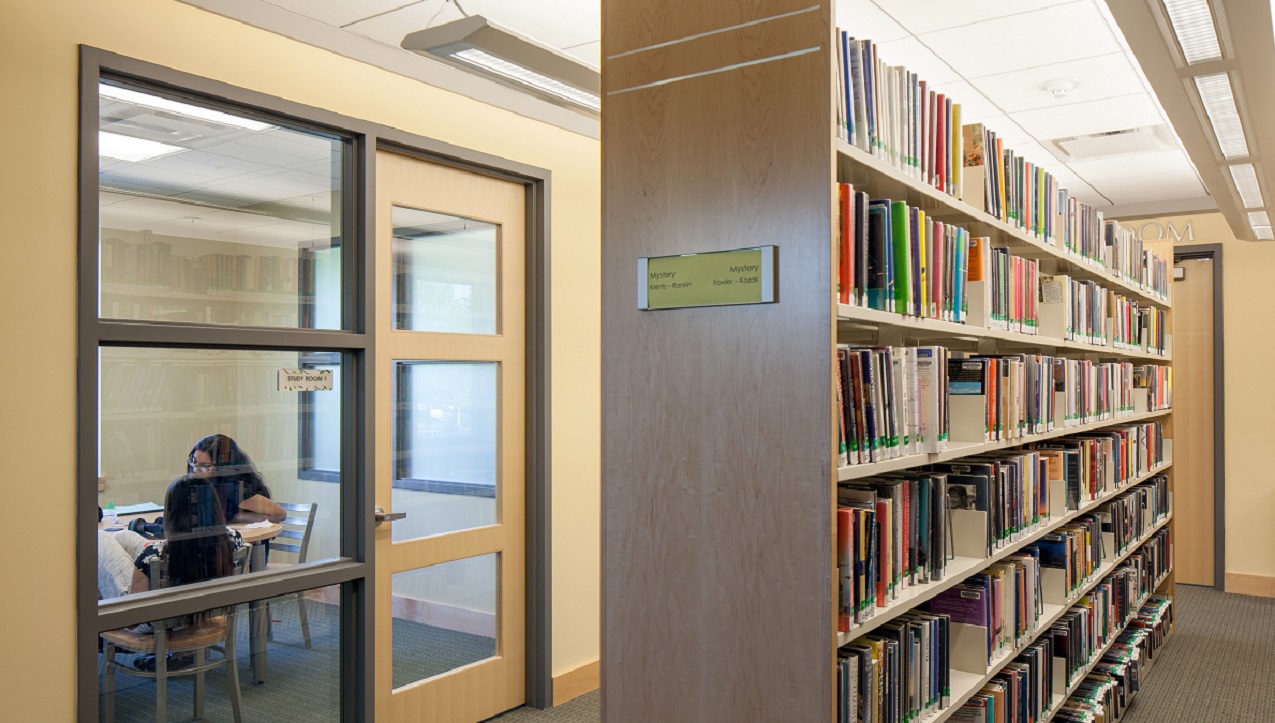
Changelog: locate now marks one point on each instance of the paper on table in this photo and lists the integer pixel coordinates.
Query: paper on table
(262, 523)
(138, 508)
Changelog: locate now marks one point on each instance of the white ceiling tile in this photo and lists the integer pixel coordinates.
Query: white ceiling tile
(1111, 23)
(975, 106)
(911, 54)
(863, 19)
(1123, 197)
(1178, 184)
(1007, 130)
(1052, 35)
(1035, 153)
(923, 16)
(1098, 116)
(1135, 164)
(340, 12)
(541, 20)
(1105, 76)
(589, 53)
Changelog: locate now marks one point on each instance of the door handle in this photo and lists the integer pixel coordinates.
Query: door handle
(383, 516)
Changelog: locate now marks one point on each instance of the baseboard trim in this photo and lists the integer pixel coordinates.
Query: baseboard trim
(1258, 585)
(575, 683)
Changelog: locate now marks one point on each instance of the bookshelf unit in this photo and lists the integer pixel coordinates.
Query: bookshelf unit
(719, 433)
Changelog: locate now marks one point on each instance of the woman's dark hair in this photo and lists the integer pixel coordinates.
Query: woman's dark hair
(234, 476)
(197, 544)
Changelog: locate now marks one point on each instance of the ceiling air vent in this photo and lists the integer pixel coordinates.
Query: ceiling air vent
(1112, 143)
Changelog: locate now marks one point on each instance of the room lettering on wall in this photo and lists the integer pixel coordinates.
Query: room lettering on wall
(1152, 231)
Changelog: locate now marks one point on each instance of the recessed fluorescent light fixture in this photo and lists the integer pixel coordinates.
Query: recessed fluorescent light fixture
(190, 111)
(128, 148)
(1245, 178)
(477, 45)
(1192, 22)
(1258, 218)
(1263, 233)
(1219, 104)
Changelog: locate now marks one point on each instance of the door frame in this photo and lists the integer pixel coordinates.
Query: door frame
(1213, 252)
(356, 568)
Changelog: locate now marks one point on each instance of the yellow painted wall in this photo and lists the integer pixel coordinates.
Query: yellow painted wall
(38, 136)
(1249, 346)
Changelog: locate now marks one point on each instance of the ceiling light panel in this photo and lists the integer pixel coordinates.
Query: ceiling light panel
(135, 97)
(1219, 104)
(1192, 22)
(1263, 233)
(1245, 178)
(128, 148)
(517, 73)
(1258, 218)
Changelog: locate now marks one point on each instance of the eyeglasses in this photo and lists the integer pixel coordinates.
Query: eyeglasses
(197, 467)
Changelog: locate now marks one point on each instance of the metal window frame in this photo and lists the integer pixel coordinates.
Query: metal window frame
(1213, 252)
(355, 571)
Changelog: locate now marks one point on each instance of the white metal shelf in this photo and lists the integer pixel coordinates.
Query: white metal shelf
(958, 450)
(849, 314)
(935, 201)
(960, 568)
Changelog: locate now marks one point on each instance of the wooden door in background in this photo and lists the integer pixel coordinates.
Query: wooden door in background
(1193, 419)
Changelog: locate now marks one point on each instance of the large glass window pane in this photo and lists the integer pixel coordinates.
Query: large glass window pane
(209, 216)
(297, 644)
(444, 272)
(444, 617)
(445, 447)
(213, 441)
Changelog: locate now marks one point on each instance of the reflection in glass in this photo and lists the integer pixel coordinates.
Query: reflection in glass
(209, 216)
(444, 273)
(224, 425)
(445, 447)
(301, 682)
(444, 617)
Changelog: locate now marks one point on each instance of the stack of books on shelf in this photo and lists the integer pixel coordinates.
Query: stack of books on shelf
(892, 113)
(893, 257)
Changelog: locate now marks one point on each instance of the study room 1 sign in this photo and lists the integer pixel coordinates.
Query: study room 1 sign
(305, 380)
(718, 278)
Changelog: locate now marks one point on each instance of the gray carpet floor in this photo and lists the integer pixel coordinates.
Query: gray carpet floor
(1218, 666)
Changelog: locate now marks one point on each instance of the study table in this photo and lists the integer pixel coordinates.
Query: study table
(255, 535)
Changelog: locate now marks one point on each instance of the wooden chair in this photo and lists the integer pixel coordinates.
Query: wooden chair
(296, 526)
(173, 636)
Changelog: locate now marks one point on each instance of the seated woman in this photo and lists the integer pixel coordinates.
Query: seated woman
(244, 495)
(197, 546)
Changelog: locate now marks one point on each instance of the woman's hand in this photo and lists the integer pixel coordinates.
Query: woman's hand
(259, 507)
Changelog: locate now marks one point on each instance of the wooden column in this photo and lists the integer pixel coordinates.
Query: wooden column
(717, 431)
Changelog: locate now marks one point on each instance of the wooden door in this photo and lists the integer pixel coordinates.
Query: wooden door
(1193, 420)
(450, 355)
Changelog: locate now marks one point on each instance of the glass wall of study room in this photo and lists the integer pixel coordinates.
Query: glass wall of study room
(41, 70)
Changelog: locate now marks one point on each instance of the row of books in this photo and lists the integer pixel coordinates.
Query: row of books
(1074, 310)
(1137, 326)
(900, 672)
(1091, 464)
(1004, 289)
(899, 401)
(1104, 694)
(891, 401)
(1008, 186)
(153, 264)
(892, 534)
(994, 610)
(1021, 691)
(890, 112)
(894, 257)
(1126, 256)
(239, 314)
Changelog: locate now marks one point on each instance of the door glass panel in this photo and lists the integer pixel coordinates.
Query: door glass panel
(445, 447)
(210, 438)
(211, 216)
(298, 662)
(444, 273)
(445, 617)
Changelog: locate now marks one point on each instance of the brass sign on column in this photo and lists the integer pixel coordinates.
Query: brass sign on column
(717, 278)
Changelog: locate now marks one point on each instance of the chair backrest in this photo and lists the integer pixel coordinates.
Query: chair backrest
(295, 537)
(241, 560)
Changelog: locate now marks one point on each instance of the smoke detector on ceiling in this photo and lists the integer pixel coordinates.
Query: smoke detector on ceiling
(1060, 88)
(1112, 143)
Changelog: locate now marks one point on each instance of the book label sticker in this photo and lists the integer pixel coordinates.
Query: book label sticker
(718, 278)
(305, 380)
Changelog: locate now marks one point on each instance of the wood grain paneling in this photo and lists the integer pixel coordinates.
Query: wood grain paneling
(628, 26)
(1243, 584)
(717, 457)
(1193, 453)
(743, 45)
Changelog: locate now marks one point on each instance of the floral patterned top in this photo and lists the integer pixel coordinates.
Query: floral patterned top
(156, 551)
